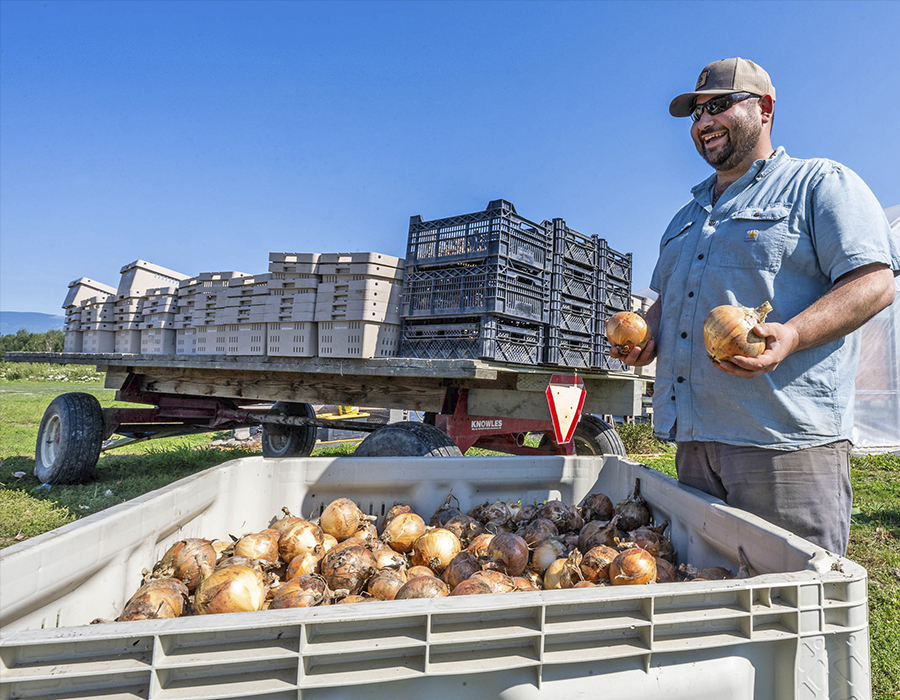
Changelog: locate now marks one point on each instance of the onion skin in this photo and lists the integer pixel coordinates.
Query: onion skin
(385, 584)
(597, 506)
(478, 546)
(299, 537)
(461, 567)
(472, 586)
(435, 549)
(260, 545)
(185, 560)
(402, 531)
(634, 566)
(423, 587)
(508, 553)
(596, 561)
(341, 519)
(496, 580)
(348, 569)
(728, 331)
(230, 589)
(302, 592)
(157, 599)
(627, 330)
(305, 563)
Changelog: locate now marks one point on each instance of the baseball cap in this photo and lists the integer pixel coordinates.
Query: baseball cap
(722, 78)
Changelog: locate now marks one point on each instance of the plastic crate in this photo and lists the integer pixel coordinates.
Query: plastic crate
(573, 315)
(158, 341)
(797, 629)
(211, 340)
(602, 359)
(245, 338)
(140, 275)
(85, 288)
(574, 281)
(615, 295)
(96, 340)
(128, 341)
(358, 339)
(360, 289)
(376, 311)
(185, 341)
(292, 339)
(505, 290)
(572, 247)
(570, 349)
(485, 337)
(496, 234)
(614, 264)
(294, 264)
(73, 341)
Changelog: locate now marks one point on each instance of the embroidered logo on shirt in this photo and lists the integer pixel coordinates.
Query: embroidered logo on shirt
(751, 235)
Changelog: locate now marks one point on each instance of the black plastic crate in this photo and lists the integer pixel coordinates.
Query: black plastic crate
(602, 360)
(614, 264)
(574, 281)
(496, 234)
(570, 349)
(573, 247)
(572, 315)
(616, 295)
(465, 290)
(479, 338)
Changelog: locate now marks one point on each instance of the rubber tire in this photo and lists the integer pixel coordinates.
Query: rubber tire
(290, 440)
(595, 437)
(408, 439)
(69, 439)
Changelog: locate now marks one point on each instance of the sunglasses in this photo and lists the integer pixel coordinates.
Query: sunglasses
(719, 104)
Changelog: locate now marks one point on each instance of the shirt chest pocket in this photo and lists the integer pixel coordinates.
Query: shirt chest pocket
(671, 252)
(752, 238)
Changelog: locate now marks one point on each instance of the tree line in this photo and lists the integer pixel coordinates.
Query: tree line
(23, 341)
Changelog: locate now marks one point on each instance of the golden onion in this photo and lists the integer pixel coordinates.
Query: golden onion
(156, 599)
(230, 589)
(627, 329)
(728, 331)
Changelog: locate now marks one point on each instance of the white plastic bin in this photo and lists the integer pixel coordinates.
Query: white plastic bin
(796, 630)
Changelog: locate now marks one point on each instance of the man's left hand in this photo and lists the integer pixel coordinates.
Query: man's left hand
(781, 341)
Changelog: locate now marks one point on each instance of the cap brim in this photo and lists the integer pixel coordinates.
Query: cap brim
(681, 106)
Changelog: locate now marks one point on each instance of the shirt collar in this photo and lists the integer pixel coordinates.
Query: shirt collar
(759, 169)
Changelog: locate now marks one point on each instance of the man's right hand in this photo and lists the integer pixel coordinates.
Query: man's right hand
(637, 357)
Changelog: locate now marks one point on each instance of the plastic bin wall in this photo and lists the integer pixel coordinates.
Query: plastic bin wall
(797, 629)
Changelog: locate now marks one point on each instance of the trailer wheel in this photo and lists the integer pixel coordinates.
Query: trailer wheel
(289, 440)
(69, 439)
(595, 437)
(408, 439)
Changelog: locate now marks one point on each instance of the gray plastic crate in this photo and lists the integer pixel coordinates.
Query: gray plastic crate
(797, 629)
(484, 337)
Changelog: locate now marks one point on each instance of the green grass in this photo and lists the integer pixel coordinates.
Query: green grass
(28, 509)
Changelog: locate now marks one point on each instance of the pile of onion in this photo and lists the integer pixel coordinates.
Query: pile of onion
(728, 331)
(499, 547)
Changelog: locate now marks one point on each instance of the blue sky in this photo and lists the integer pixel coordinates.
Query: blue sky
(203, 135)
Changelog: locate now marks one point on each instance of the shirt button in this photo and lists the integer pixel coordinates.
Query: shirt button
(756, 214)
(700, 257)
(713, 223)
(690, 294)
(680, 379)
(684, 335)
(673, 398)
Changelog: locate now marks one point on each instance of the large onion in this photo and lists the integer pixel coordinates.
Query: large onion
(156, 599)
(402, 531)
(508, 553)
(548, 552)
(423, 587)
(230, 589)
(348, 568)
(385, 584)
(435, 549)
(597, 506)
(301, 592)
(634, 511)
(497, 580)
(184, 560)
(728, 331)
(303, 563)
(627, 329)
(596, 561)
(479, 545)
(460, 568)
(633, 566)
(259, 545)
(564, 573)
(341, 519)
(299, 537)
(472, 586)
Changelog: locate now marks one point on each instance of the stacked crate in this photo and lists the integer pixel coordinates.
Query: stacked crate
(197, 303)
(291, 329)
(158, 322)
(98, 324)
(80, 290)
(477, 286)
(129, 316)
(241, 315)
(357, 310)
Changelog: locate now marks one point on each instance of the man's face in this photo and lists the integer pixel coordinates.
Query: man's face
(725, 140)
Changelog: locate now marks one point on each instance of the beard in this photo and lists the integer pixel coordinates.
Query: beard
(740, 141)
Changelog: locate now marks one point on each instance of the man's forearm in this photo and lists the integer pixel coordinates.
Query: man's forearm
(853, 300)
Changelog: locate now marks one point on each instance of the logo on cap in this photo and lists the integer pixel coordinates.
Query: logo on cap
(701, 81)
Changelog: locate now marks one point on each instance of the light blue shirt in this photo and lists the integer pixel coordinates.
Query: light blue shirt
(783, 233)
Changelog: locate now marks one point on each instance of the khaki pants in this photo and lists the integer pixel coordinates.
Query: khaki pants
(804, 491)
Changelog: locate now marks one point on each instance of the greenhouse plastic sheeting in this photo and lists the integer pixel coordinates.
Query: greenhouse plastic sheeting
(796, 629)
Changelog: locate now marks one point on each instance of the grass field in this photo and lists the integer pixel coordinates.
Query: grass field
(28, 508)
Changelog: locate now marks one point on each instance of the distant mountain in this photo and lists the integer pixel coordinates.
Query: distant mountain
(12, 321)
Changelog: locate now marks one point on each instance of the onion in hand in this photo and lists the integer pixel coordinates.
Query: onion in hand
(728, 331)
(625, 330)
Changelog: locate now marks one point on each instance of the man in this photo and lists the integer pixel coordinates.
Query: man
(770, 434)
